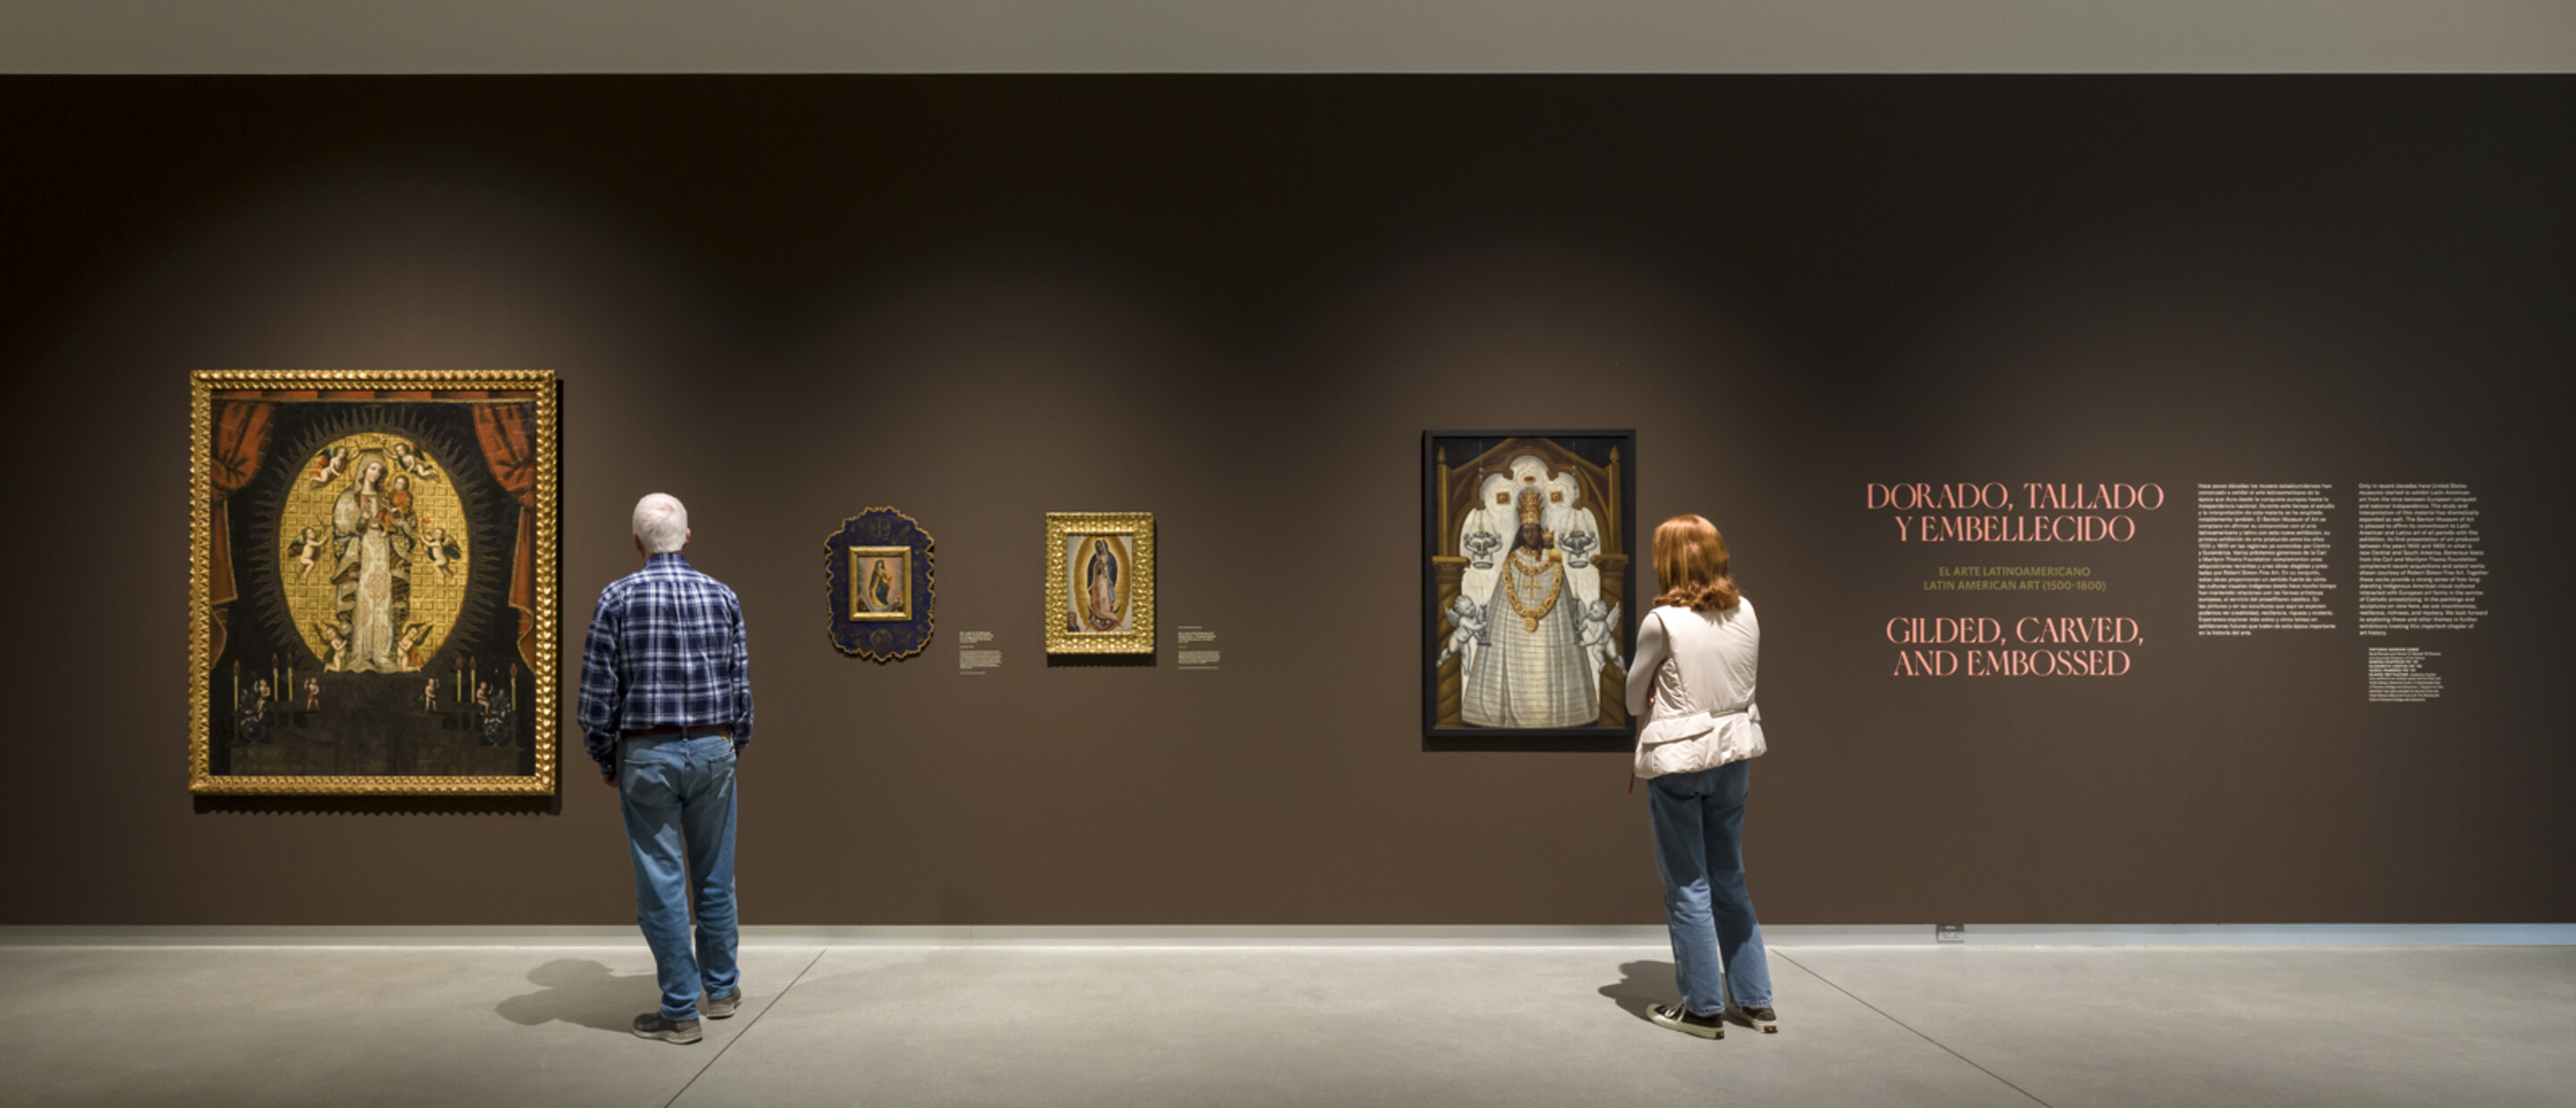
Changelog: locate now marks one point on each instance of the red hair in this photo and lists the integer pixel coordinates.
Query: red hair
(1692, 564)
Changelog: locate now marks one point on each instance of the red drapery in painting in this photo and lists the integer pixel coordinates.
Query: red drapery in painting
(512, 456)
(240, 438)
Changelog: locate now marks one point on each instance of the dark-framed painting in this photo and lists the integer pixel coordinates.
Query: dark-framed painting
(372, 592)
(1100, 582)
(877, 579)
(1528, 588)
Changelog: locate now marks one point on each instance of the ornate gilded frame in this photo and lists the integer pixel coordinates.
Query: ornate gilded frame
(1453, 465)
(206, 386)
(880, 636)
(1138, 586)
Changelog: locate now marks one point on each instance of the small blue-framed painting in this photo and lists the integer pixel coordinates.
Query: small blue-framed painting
(877, 579)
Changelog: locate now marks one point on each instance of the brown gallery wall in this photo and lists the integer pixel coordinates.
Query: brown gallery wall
(1237, 304)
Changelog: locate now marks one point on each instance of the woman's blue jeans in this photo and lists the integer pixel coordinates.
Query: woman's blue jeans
(1699, 847)
(678, 798)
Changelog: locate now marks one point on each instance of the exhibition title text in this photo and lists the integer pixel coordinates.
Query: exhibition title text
(2025, 646)
(1991, 512)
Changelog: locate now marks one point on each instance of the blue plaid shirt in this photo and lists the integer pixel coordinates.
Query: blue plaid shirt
(666, 649)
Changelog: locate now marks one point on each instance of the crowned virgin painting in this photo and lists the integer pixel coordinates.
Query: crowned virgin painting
(1526, 587)
(373, 589)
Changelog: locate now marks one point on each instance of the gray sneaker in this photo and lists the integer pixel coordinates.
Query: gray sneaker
(1680, 1019)
(1760, 1019)
(721, 1007)
(651, 1025)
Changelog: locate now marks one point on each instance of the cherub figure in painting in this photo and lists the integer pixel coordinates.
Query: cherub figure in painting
(1469, 620)
(1600, 635)
(407, 647)
(307, 545)
(328, 464)
(410, 459)
(1100, 588)
(443, 552)
(429, 694)
(312, 694)
(335, 648)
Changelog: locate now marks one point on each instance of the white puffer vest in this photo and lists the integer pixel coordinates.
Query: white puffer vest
(1684, 734)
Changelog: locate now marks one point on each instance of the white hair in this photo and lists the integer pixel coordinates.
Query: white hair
(662, 522)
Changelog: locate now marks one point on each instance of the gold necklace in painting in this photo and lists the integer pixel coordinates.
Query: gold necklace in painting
(1512, 592)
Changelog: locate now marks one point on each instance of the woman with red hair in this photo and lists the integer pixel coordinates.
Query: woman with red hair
(1697, 654)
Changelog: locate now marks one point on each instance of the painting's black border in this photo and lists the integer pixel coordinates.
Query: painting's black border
(1535, 740)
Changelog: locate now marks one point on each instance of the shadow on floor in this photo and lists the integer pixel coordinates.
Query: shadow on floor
(583, 993)
(1643, 983)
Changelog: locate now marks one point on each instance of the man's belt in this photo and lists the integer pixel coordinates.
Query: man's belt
(684, 732)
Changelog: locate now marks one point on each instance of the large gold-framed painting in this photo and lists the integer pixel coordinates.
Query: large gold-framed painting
(372, 603)
(1529, 599)
(1100, 582)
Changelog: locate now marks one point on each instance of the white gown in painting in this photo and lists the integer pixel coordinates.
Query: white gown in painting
(371, 530)
(1530, 538)
(1533, 669)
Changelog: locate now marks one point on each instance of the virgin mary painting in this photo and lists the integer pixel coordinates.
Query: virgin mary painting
(1100, 583)
(1527, 588)
(372, 580)
(1101, 609)
(334, 565)
(880, 583)
(881, 588)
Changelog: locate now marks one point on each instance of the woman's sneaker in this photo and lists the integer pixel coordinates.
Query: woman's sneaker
(651, 1025)
(1760, 1019)
(721, 1007)
(1680, 1019)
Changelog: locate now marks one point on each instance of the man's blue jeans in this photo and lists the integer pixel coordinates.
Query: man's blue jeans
(1699, 846)
(679, 803)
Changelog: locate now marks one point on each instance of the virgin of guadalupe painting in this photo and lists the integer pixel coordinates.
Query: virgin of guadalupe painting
(1100, 583)
(1528, 601)
(372, 588)
(877, 576)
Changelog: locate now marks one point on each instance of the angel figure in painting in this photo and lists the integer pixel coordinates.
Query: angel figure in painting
(1532, 670)
(1100, 589)
(407, 647)
(1469, 619)
(306, 546)
(429, 695)
(373, 574)
(335, 648)
(410, 460)
(1600, 635)
(312, 694)
(443, 551)
(328, 464)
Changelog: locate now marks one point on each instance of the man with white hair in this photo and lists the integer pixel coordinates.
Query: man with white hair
(665, 710)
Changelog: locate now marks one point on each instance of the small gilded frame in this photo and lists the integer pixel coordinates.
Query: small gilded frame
(880, 584)
(877, 579)
(1100, 583)
(372, 604)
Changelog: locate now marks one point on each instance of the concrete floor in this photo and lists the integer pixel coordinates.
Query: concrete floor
(2065, 1027)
